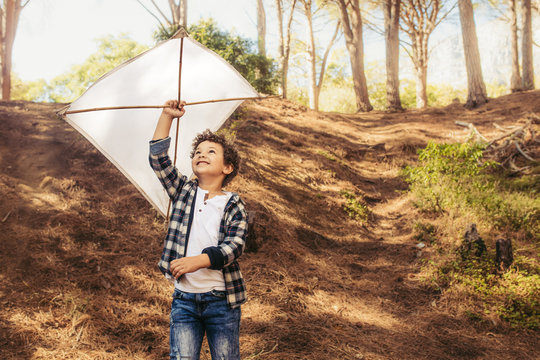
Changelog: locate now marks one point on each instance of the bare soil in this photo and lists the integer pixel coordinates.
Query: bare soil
(79, 244)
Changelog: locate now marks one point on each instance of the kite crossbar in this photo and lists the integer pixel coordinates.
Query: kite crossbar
(159, 106)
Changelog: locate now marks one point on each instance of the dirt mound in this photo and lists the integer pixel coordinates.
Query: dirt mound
(79, 244)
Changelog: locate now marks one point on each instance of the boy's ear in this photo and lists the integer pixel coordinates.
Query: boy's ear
(228, 169)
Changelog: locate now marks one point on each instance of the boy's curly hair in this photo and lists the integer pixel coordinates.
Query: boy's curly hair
(230, 154)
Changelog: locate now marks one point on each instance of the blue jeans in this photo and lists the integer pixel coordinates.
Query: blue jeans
(193, 315)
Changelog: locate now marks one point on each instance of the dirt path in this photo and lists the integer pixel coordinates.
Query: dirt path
(79, 244)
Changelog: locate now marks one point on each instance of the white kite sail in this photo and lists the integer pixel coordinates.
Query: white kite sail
(149, 80)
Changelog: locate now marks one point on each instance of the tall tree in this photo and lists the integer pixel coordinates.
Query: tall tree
(526, 47)
(316, 81)
(477, 94)
(391, 35)
(177, 15)
(284, 42)
(10, 11)
(261, 28)
(515, 78)
(419, 20)
(351, 23)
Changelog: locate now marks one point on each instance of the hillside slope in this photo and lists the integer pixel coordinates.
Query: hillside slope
(79, 244)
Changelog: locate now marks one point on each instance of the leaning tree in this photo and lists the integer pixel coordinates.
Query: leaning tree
(351, 24)
(284, 37)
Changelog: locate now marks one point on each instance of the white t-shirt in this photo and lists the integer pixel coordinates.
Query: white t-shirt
(204, 233)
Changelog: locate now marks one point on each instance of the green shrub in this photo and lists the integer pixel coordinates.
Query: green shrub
(454, 177)
(454, 181)
(354, 207)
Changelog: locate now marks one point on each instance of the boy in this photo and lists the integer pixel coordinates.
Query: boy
(207, 231)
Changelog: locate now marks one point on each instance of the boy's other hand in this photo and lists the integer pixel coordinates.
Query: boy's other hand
(189, 264)
(174, 109)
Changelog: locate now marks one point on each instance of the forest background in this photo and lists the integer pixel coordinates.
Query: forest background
(446, 71)
(403, 186)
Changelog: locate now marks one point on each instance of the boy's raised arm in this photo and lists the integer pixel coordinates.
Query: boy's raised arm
(159, 160)
(171, 111)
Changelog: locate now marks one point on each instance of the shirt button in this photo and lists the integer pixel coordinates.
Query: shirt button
(200, 210)
(205, 203)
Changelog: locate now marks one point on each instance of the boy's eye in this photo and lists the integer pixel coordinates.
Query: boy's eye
(212, 151)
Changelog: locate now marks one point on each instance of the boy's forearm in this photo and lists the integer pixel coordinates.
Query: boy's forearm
(189, 264)
(163, 126)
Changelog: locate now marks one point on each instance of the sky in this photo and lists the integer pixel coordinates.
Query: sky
(53, 35)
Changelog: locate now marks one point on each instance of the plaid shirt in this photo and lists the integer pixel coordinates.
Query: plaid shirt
(232, 228)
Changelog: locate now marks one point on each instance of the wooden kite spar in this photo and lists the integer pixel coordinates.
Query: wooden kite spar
(179, 68)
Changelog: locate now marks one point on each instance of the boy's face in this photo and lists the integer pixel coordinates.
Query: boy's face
(208, 161)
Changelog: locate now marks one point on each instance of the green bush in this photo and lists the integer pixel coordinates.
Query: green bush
(454, 181)
(454, 177)
(29, 90)
(354, 207)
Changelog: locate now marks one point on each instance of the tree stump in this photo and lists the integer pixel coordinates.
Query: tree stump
(472, 243)
(252, 244)
(504, 257)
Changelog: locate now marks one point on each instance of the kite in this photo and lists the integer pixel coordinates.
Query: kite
(119, 112)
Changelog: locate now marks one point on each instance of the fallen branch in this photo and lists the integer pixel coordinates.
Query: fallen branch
(516, 141)
(522, 152)
(473, 129)
(6, 217)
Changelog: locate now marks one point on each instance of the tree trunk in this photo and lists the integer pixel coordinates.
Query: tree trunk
(10, 17)
(476, 88)
(313, 91)
(351, 22)
(183, 13)
(284, 43)
(515, 79)
(419, 18)
(316, 82)
(504, 255)
(323, 63)
(420, 57)
(526, 47)
(421, 86)
(261, 28)
(391, 34)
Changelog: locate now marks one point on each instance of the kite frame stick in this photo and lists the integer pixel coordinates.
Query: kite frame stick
(162, 106)
(177, 119)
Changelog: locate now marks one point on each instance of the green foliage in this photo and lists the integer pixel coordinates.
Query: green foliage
(338, 94)
(29, 91)
(338, 98)
(327, 155)
(496, 90)
(300, 95)
(407, 93)
(512, 296)
(354, 207)
(111, 53)
(260, 71)
(425, 233)
(454, 181)
(438, 95)
(376, 78)
(453, 177)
